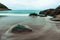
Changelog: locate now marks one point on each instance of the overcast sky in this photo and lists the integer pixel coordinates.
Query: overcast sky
(30, 4)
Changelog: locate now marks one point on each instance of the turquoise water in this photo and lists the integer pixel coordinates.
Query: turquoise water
(20, 11)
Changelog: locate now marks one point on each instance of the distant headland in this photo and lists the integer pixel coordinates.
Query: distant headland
(3, 7)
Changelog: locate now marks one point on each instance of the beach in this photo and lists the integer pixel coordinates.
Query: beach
(8, 21)
(42, 27)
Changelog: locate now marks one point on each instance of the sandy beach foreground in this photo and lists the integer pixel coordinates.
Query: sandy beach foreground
(43, 28)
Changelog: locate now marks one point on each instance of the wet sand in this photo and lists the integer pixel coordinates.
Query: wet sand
(42, 30)
(7, 22)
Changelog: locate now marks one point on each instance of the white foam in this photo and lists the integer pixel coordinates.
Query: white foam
(15, 14)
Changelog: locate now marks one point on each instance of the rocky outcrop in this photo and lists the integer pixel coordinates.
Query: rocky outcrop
(3, 7)
(33, 14)
(51, 12)
(56, 12)
(46, 12)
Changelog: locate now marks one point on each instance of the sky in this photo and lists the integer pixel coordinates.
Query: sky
(30, 4)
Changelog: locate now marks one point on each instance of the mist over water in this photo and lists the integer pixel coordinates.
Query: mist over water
(42, 28)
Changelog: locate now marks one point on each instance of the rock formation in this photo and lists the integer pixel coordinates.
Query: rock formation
(46, 12)
(56, 11)
(3, 7)
(51, 12)
(33, 14)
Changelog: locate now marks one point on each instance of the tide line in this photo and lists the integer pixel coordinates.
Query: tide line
(14, 14)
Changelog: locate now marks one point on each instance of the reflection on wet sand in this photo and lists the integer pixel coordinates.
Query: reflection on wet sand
(42, 29)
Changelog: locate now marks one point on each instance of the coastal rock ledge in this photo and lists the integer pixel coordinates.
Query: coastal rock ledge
(3, 7)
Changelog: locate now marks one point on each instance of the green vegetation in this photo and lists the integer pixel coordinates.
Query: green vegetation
(3, 6)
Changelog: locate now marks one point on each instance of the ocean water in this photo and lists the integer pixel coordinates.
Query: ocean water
(19, 11)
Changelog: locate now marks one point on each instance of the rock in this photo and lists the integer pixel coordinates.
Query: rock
(50, 12)
(58, 7)
(46, 12)
(42, 13)
(33, 14)
(54, 19)
(56, 12)
(21, 28)
(3, 7)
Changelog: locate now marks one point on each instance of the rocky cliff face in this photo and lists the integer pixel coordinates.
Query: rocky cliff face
(3, 7)
(51, 12)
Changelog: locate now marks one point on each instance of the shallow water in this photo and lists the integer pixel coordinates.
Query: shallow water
(19, 11)
(42, 29)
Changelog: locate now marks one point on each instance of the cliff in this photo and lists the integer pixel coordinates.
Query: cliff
(3, 7)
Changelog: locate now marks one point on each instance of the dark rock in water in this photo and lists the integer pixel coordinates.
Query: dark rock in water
(33, 14)
(42, 14)
(20, 28)
(3, 7)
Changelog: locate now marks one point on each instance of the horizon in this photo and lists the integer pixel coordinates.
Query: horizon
(30, 4)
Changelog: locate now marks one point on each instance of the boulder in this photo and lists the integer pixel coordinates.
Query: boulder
(33, 14)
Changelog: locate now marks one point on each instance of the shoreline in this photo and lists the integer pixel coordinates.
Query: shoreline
(14, 14)
(7, 22)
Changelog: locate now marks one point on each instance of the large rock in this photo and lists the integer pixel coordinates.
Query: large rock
(46, 12)
(3, 7)
(56, 12)
(50, 12)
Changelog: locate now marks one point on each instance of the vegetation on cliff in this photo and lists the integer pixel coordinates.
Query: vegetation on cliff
(3, 7)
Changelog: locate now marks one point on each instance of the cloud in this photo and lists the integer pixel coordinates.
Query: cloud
(30, 4)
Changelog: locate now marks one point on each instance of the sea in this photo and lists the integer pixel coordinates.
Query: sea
(19, 11)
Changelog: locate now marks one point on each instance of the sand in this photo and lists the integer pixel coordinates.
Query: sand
(43, 28)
